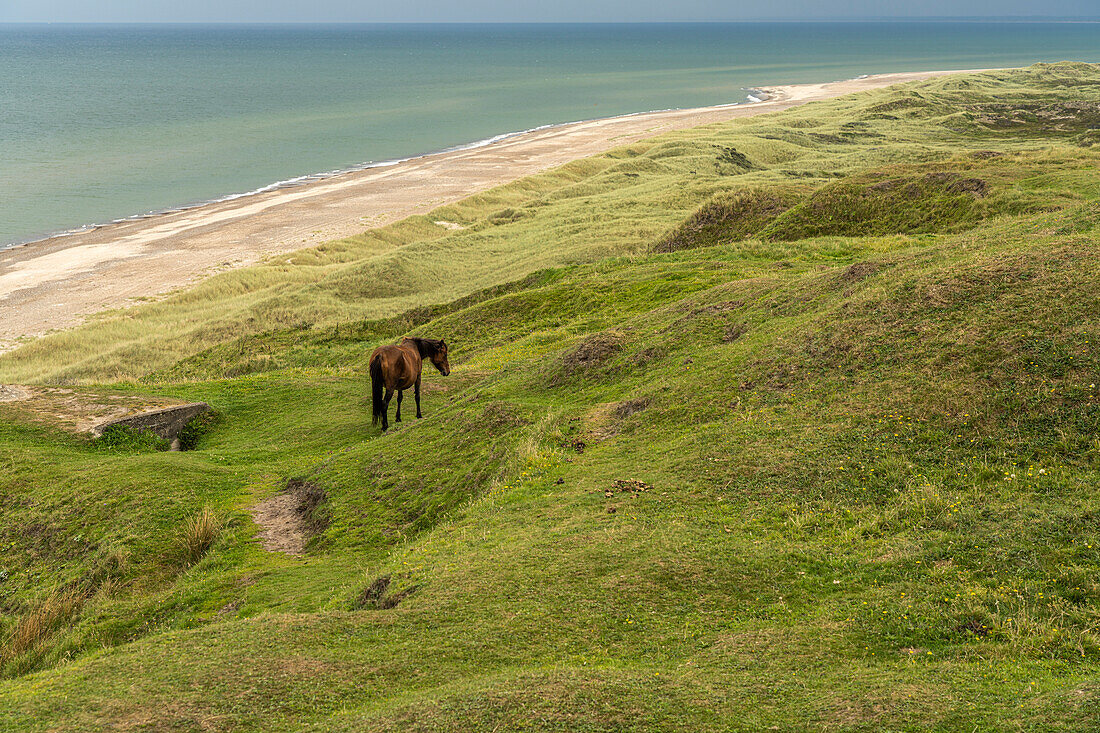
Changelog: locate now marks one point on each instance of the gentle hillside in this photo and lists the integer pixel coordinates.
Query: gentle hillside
(792, 422)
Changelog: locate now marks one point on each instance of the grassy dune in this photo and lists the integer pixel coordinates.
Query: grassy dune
(791, 422)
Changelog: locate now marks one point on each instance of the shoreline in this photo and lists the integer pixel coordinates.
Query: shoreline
(57, 281)
(307, 178)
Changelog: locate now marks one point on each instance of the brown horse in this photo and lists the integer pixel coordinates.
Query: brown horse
(398, 367)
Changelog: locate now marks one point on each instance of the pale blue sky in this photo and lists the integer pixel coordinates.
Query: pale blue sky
(320, 11)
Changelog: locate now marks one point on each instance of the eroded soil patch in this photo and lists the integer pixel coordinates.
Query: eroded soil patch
(375, 595)
(288, 520)
(282, 529)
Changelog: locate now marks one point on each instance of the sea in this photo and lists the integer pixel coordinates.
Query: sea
(105, 122)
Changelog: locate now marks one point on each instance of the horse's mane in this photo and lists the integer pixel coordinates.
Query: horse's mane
(426, 347)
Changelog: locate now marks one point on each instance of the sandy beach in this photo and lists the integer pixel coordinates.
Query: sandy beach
(55, 283)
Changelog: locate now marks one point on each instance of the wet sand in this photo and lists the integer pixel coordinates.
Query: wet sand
(55, 283)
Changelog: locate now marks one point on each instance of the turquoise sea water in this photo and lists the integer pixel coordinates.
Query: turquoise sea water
(104, 122)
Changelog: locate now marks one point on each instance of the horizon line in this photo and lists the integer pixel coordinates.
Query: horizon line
(842, 19)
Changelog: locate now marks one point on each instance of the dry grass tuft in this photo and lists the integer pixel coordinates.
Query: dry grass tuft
(39, 624)
(198, 535)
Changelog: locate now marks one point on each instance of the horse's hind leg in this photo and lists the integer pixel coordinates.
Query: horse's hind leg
(386, 410)
(400, 396)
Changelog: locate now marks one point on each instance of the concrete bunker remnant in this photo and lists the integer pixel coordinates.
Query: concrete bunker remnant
(166, 422)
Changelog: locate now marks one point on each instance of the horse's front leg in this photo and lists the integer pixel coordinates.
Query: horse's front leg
(386, 410)
(400, 396)
(417, 394)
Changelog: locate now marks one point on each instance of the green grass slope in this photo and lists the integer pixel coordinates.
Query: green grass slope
(808, 440)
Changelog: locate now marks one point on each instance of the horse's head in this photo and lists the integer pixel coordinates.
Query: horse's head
(439, 359)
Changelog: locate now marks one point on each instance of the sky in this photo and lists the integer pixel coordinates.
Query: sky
(385, 11)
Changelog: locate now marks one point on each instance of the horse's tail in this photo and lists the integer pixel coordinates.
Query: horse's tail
(377, 386)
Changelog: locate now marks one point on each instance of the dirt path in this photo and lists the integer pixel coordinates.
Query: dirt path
(282, 528)
(55, 283)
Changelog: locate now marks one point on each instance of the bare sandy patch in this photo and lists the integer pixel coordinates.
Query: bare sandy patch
(282, 528)
(453, 226)
(62, 264)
